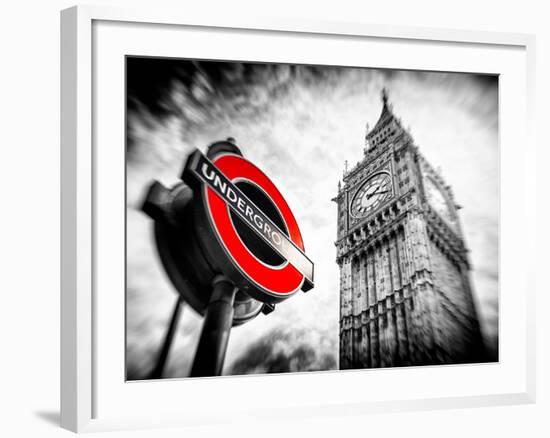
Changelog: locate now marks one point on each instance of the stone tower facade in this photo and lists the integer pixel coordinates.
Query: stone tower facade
(405, 291)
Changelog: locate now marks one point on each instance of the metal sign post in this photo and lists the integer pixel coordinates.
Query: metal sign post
(168, 339)
(210, 353)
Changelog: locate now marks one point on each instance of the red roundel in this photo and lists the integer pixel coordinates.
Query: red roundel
(281, 280)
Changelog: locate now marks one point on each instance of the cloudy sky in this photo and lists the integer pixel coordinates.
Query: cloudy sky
(299, 124)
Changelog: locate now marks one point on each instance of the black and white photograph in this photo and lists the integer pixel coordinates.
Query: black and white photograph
(286, 218)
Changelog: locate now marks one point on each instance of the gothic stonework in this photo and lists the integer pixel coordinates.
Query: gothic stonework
(405, 294)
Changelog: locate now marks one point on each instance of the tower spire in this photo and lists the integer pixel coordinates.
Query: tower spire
(384, 95)
(386, 118)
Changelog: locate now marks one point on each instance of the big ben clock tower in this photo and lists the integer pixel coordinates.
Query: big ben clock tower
(405, 291)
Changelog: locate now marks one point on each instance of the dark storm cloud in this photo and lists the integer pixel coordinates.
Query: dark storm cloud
(282, 352)
(160, 85)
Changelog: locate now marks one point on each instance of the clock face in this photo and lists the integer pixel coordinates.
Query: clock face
(438, 201)
(372, 194)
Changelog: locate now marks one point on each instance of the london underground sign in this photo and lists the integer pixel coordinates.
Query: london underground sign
(226, 186)
(230, 245)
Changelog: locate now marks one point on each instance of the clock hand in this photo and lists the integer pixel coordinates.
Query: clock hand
(376, 192)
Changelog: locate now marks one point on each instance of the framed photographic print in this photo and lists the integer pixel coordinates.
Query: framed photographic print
(325, 211)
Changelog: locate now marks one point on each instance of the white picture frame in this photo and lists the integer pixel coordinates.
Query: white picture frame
(89, 399)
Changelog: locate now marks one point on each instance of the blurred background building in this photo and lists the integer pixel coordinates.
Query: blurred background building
(405, 292)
